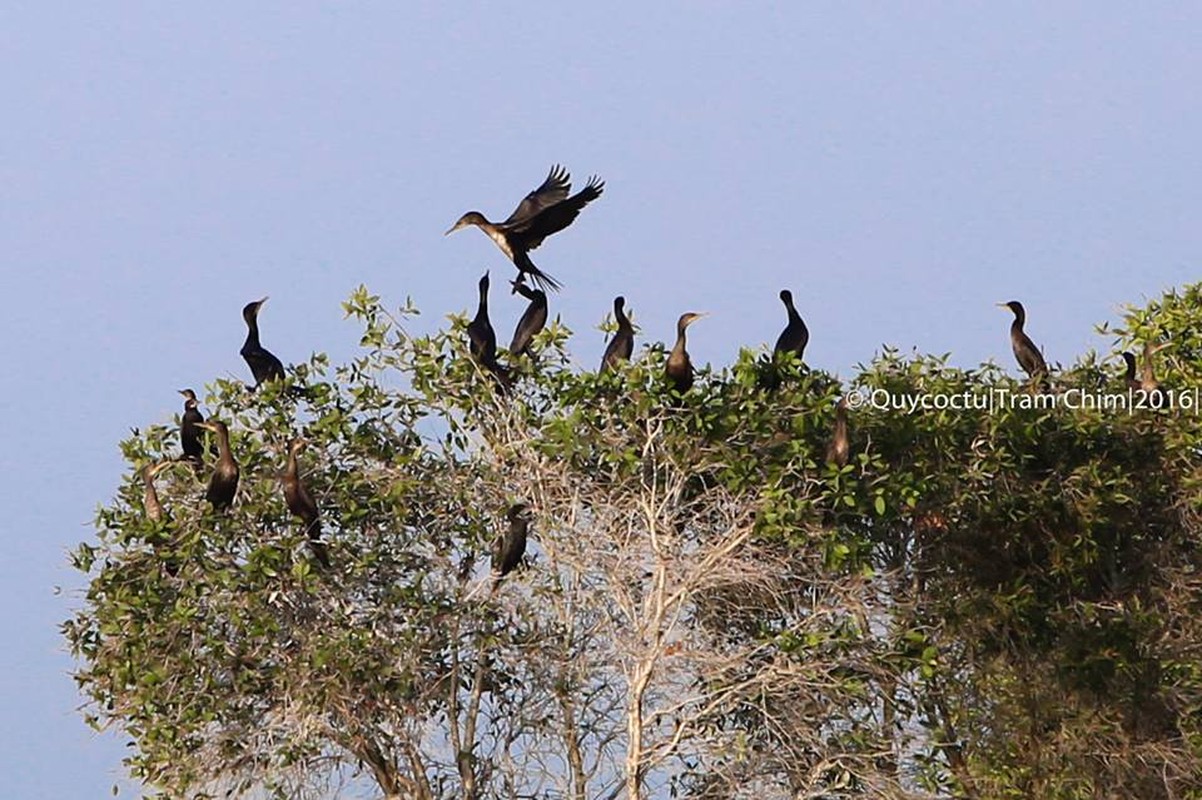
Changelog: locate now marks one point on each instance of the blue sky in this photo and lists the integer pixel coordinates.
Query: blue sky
(901, 169)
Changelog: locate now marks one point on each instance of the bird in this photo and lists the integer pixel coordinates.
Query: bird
(679, 369)
(1153, 395)
(622, 345)
(189, 433)
(150, 497)
(263, 364)
(532, 321)
(794, 338)
(1028, 355)
(223, 484)
(1133, 383)
(482, 339)
(838, 448)
(509, 548)
(544, 211)
(301, 503)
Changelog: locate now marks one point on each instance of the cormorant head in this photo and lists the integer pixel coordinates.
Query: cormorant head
(214, 425)
(296, 445)
(484, 284)
(518, 511)
(619, 305)
(1129, 359)
(189, 398)
(688, 318)
(151, 470)
(1016, 307)
(250, 312)
(470, 218)
(786, 297)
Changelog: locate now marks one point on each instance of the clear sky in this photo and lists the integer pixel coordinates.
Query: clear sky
(900, 167)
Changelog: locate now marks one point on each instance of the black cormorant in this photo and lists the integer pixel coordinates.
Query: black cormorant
(1028, 355)
(622, 345)
(509, 548)
(223, 484)
(1129, 378)
(190, 437)
(482, 338)
(795, 336)
(838, 449)
(544, 211)
(263, 364)
(532, 321)
(679, 368)
(301, 503)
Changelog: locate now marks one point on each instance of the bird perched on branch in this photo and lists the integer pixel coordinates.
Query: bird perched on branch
(190, 437)
(482, 339)
(794, 338)
(679, 369)
(510, 547)
(621, 346)
(1025, 351)
(838, 449)
(533, 319)
(301, 503)
(263, 364)
(546, 210)
(223, 484)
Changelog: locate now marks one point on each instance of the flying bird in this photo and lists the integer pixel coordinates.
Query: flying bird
(546, 210)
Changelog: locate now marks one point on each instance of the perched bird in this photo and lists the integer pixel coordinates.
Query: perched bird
(482, 338)
(1129, 378)
(794, 338)
(190, 437)
(1028, 355)
(679, 368)
(150, 497)
(1147, 372)
(544, 211)
(838, 449)
(263, 364)
(622, 345)
(532, 321)
(223, 484)
(301, 503)
(509, 548)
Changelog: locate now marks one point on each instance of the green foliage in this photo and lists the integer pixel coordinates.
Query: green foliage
(985, 601)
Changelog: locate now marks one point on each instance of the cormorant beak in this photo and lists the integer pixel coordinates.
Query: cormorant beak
(206, 426)
(261, 302)
(1003, 305)
(455, 227)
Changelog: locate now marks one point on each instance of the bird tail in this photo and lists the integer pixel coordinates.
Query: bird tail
(541, 279)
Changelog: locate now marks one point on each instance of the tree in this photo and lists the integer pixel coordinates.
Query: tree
(983, 602)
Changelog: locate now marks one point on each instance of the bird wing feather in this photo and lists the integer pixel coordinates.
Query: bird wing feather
(557, 217)
(553, 190)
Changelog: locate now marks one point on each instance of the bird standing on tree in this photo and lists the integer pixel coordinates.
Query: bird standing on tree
(621, 346)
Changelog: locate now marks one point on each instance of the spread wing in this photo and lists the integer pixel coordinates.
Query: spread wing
(553, 190)
(557, 217)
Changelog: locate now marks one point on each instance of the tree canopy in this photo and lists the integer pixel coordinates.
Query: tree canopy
(982, 602)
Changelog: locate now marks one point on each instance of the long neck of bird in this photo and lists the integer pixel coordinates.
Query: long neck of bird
(252, 331)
